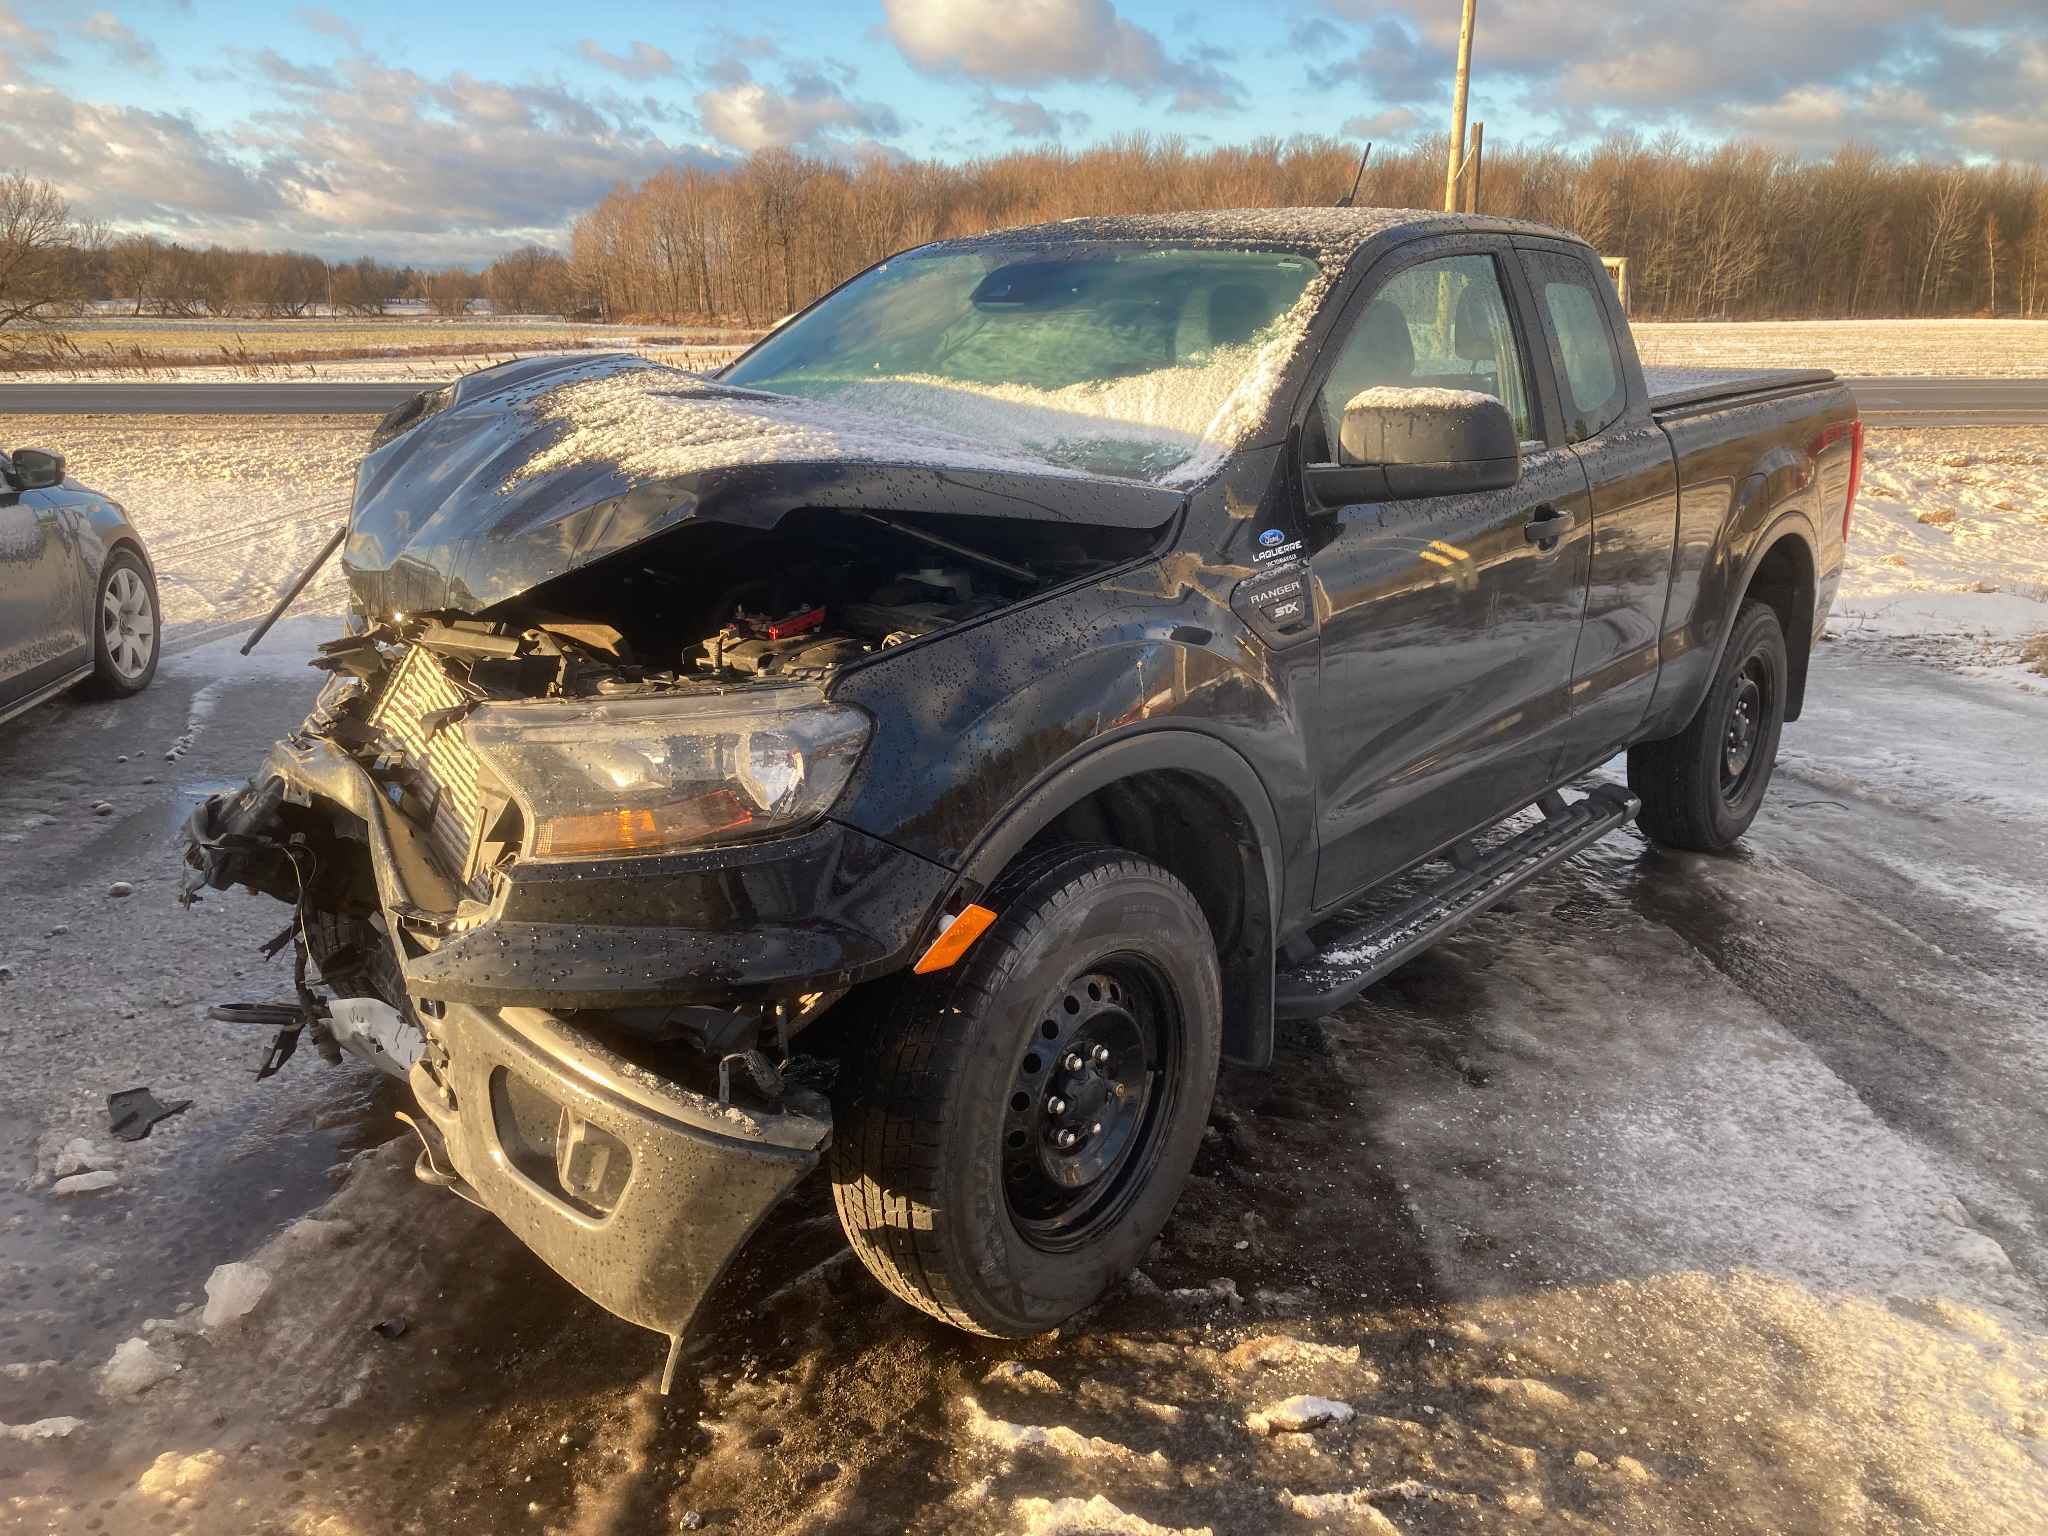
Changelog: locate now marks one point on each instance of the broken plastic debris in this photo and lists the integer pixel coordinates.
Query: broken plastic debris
(132, 1111)
(232, 1292)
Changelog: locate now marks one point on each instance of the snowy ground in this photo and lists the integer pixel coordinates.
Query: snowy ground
(1688, 1195)
(2016, 349)
(423, 347)
(1948, 554)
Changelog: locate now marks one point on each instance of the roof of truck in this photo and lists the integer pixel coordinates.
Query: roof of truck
(1332, 235)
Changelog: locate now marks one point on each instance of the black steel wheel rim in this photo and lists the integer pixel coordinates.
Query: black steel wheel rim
(1090, 1100)
(1749, 704)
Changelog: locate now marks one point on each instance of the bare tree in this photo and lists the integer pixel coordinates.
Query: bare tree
(40, 249)
(532, 280)
(449, 291)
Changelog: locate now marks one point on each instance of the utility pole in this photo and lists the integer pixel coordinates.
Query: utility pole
(1475, 164)
(1457, 152)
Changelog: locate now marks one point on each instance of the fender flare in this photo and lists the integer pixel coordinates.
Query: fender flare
(1791, 523)
(1788, 522)
(1105, 760)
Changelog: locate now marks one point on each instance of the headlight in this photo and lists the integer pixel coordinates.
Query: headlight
(614, 776)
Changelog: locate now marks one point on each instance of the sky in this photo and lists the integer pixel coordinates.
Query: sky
(449, 130)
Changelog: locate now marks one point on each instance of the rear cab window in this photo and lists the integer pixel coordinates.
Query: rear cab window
(1591, 381)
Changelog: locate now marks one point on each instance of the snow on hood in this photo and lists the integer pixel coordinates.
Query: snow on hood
(649, 421)
(523, 473)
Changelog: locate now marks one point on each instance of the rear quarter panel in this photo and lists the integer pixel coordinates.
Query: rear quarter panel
(1749, 475)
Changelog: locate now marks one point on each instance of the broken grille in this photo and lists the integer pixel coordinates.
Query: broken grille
(443, 765)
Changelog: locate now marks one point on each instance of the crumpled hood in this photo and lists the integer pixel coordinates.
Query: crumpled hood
(493, 485)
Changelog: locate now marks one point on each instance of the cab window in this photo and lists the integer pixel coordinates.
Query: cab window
(1440, 324)
(1589, 368)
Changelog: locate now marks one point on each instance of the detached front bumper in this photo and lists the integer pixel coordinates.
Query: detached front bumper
(634, 1190)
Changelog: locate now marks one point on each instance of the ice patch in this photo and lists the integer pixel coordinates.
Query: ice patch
(1297, 1414)
(43, 1429)
(232, 1292)
(1092, 1516)
(135, 1367)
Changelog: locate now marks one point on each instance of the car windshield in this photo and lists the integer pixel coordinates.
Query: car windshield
(1120, 360)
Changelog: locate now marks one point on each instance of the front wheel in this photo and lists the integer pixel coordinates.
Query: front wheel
(1010, 1144)
(1703, 787)
(126, 626)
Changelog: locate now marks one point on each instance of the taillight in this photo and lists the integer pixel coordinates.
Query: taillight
(1855, 475)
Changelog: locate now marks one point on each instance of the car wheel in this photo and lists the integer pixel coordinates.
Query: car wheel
(1012, 1139)
(1702, 788)
(127, 626)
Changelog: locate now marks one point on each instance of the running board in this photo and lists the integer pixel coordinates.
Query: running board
(1349, 962)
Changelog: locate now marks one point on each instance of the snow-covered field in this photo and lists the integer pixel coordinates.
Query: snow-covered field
(424, 347)
(1948, 553)
(1853, 348)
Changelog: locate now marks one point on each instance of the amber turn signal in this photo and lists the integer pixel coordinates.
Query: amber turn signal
(954, 938)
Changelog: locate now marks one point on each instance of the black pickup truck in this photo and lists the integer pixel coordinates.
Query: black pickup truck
(932, 745)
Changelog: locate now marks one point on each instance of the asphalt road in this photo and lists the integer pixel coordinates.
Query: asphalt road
(1900, 402)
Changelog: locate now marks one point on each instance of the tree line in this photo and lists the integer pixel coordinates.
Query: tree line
(1731, 231)
(53, 266)
(1734, 231)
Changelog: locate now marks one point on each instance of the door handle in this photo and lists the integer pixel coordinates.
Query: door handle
(1547, 525)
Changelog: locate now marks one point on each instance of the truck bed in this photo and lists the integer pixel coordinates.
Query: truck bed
(1679, 388)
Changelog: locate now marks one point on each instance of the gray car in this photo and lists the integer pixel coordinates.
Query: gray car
(78, 599)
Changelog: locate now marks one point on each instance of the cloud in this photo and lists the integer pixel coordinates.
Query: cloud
(25, 44)
(1806, 74)
(1028, 119)
(812, 111)
(120, 42)
(327, 24)
(360, 156)
(643, 61)
(282, 72)
(1046, 42)
(1394, 65)
(1394, 123)
(809, 110)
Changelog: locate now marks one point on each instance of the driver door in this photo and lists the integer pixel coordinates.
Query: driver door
(1450, 623)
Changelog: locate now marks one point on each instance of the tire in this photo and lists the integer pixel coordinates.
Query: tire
(127, 626)
(946, 1165)
(1703, 787)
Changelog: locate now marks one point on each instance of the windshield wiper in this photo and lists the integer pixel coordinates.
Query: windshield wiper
(979, 557)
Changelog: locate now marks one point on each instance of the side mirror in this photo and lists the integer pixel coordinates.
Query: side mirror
(1397, 443)
(36, 470)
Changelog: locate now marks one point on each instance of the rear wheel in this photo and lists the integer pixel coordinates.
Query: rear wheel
(1702, 788)
(1012, 1141)
(126, 626)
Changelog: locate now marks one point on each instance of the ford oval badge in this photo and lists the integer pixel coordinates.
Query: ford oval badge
(1271, 537)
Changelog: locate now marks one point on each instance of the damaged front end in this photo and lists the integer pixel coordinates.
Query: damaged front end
(556, 833)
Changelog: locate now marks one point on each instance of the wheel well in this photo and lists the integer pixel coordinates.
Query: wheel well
(1784, 583)
(1200, 834)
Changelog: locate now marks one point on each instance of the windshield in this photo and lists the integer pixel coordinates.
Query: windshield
(1116, 360)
